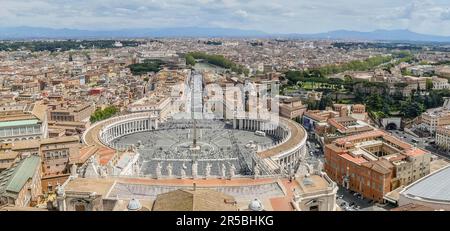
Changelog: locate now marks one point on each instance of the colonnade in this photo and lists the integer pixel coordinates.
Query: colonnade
(16, 133)
(293, 153)
(272, 129)
(121, 128)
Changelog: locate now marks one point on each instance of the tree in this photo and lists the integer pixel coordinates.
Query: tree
(411, 109)
(375, 102)
(325, 101)
(429, 85)
(100, 114)
(149, 65)
(190, 60)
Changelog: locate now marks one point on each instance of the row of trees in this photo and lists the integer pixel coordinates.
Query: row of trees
(318, 74)
(356, 65)
(322, 104)
(106, 113)
(218, 60)
(149, 65)
(316, 79)
(409, 107)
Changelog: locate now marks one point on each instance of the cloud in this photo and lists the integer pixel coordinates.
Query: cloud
(241, 13)
(277, 16)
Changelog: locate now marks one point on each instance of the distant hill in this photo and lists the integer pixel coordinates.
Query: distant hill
(42, 33)
(386, 35)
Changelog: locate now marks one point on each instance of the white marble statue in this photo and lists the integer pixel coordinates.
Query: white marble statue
(59, 190)
(208, 170)
(110, 168)
(224, 171)
(73, 170)
(319, 166)
(169, 169)
(232, 170)
(103, 171)
(310, 168)
(194, 169)
(256, 171)
(183, 171)
(158, 170)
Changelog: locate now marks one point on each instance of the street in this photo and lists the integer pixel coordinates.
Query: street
(423, 143)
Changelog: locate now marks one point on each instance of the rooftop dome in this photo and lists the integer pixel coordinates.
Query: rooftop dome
(256, 205)
(134, 205)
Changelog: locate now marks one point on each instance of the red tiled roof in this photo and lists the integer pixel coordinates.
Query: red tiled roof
(415, 152)
(105, 155)
(357, 160)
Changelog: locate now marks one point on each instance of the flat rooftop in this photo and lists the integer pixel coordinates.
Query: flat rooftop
(313, 183)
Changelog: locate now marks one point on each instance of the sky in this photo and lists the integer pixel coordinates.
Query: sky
(272, 16)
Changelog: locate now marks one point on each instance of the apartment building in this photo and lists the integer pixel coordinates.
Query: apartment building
(70, 112)
(21, 126)
(443, 137)
(56, 152)
(436, 117)
(292, 108)
(374, 163)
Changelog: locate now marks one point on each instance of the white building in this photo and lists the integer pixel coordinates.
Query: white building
(443, 137)
(22, 128)
(436, 117)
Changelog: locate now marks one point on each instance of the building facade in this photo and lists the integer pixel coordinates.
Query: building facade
(21, 127)
(443, 137)
(374, 163)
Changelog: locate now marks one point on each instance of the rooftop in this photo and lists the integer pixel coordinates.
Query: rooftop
(298, 133)
(434, 187)
(313, 183)
(13, 179)
(194, 200)
(18, 123)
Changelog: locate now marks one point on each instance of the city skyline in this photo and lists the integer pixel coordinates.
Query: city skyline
(274, 17)
(225, 105)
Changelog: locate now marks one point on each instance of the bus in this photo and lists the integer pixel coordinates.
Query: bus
(260, 133)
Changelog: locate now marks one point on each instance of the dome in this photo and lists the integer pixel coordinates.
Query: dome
(134, 205)
(256, 205)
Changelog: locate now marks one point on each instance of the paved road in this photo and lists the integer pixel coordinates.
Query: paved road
(423, 143)
(314, 149)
